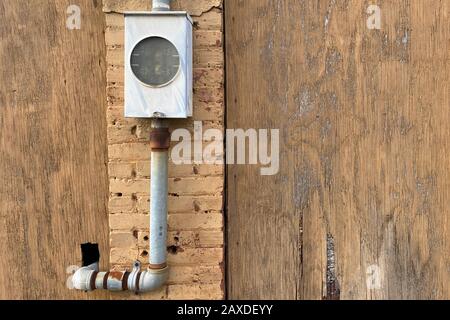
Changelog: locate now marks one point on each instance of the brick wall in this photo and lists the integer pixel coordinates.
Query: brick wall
(196, 191)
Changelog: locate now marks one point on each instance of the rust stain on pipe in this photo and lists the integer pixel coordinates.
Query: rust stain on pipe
(92, 280)
(105, 281)
(125, 281)
(157, 266)
(116, 275)
(160, 139)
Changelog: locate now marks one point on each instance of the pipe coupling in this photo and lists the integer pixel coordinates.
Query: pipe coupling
(160, 139)
(161, 5)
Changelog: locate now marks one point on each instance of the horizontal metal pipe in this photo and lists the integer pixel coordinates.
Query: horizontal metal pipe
(89, 279)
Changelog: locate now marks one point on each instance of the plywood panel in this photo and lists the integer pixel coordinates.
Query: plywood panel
(53, 171)
(358, 209)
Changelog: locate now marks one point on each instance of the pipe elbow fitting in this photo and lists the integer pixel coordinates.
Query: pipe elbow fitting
(89, 279)
(82, 278)
(152, 280)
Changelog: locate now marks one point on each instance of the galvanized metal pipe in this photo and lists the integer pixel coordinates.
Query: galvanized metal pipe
(161, 5)
(160, 143)
(89, 278)
(158, 209)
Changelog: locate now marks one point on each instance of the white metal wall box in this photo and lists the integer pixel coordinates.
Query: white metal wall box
(158, 64)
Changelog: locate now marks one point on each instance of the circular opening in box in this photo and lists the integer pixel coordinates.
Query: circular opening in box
(155, 61)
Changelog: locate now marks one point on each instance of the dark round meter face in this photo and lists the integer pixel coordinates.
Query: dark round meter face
(155, 61)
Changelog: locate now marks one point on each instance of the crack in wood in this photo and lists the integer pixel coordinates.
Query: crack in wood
(333, 288)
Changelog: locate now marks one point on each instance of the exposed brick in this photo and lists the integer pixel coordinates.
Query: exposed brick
(123, 240)
(114, 21)
(208, 77)
(203, 39)
(208, 96)
(129, 151)
(197, 274)
(209, 21)
(124, 5)
(204, 98)
(207, 39)
(114, 97)
(196, 7)
(188, 239)
(123, 256)
(128, 221)
(195, 203)
(121, 170)
(195, 221)
(178, 186)
(198, 256)
(196, 186)
(186, 204)
(121, 186)
(203, 77)
(141, 169)
(129, 130)
(208, 58)
(122, 204)
(185, 170)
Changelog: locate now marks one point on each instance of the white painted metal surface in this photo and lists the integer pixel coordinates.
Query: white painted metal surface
(173, 100)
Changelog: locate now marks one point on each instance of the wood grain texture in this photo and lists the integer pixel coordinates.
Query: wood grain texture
(365, 149)
(53, 173)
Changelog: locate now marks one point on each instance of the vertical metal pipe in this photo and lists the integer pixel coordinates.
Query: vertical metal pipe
(160, 142)
(158, 209)
(161, 5)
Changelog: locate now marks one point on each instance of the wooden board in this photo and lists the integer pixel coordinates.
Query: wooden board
(359, 208)
(53, 173)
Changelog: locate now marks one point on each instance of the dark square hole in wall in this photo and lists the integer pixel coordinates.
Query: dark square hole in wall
(90, 253)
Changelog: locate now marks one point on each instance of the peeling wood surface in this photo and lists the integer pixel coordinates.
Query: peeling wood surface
(361, 200)
(53, 173)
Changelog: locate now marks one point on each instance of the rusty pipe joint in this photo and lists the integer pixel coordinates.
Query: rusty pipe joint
(160, 139)
(137, 281)
(81, 279)
(146, 281)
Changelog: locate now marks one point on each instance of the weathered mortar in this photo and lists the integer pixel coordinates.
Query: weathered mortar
(195, 202)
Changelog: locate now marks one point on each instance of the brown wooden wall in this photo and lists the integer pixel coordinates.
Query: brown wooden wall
(53, 175)
(365, 149)
(365, 142)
